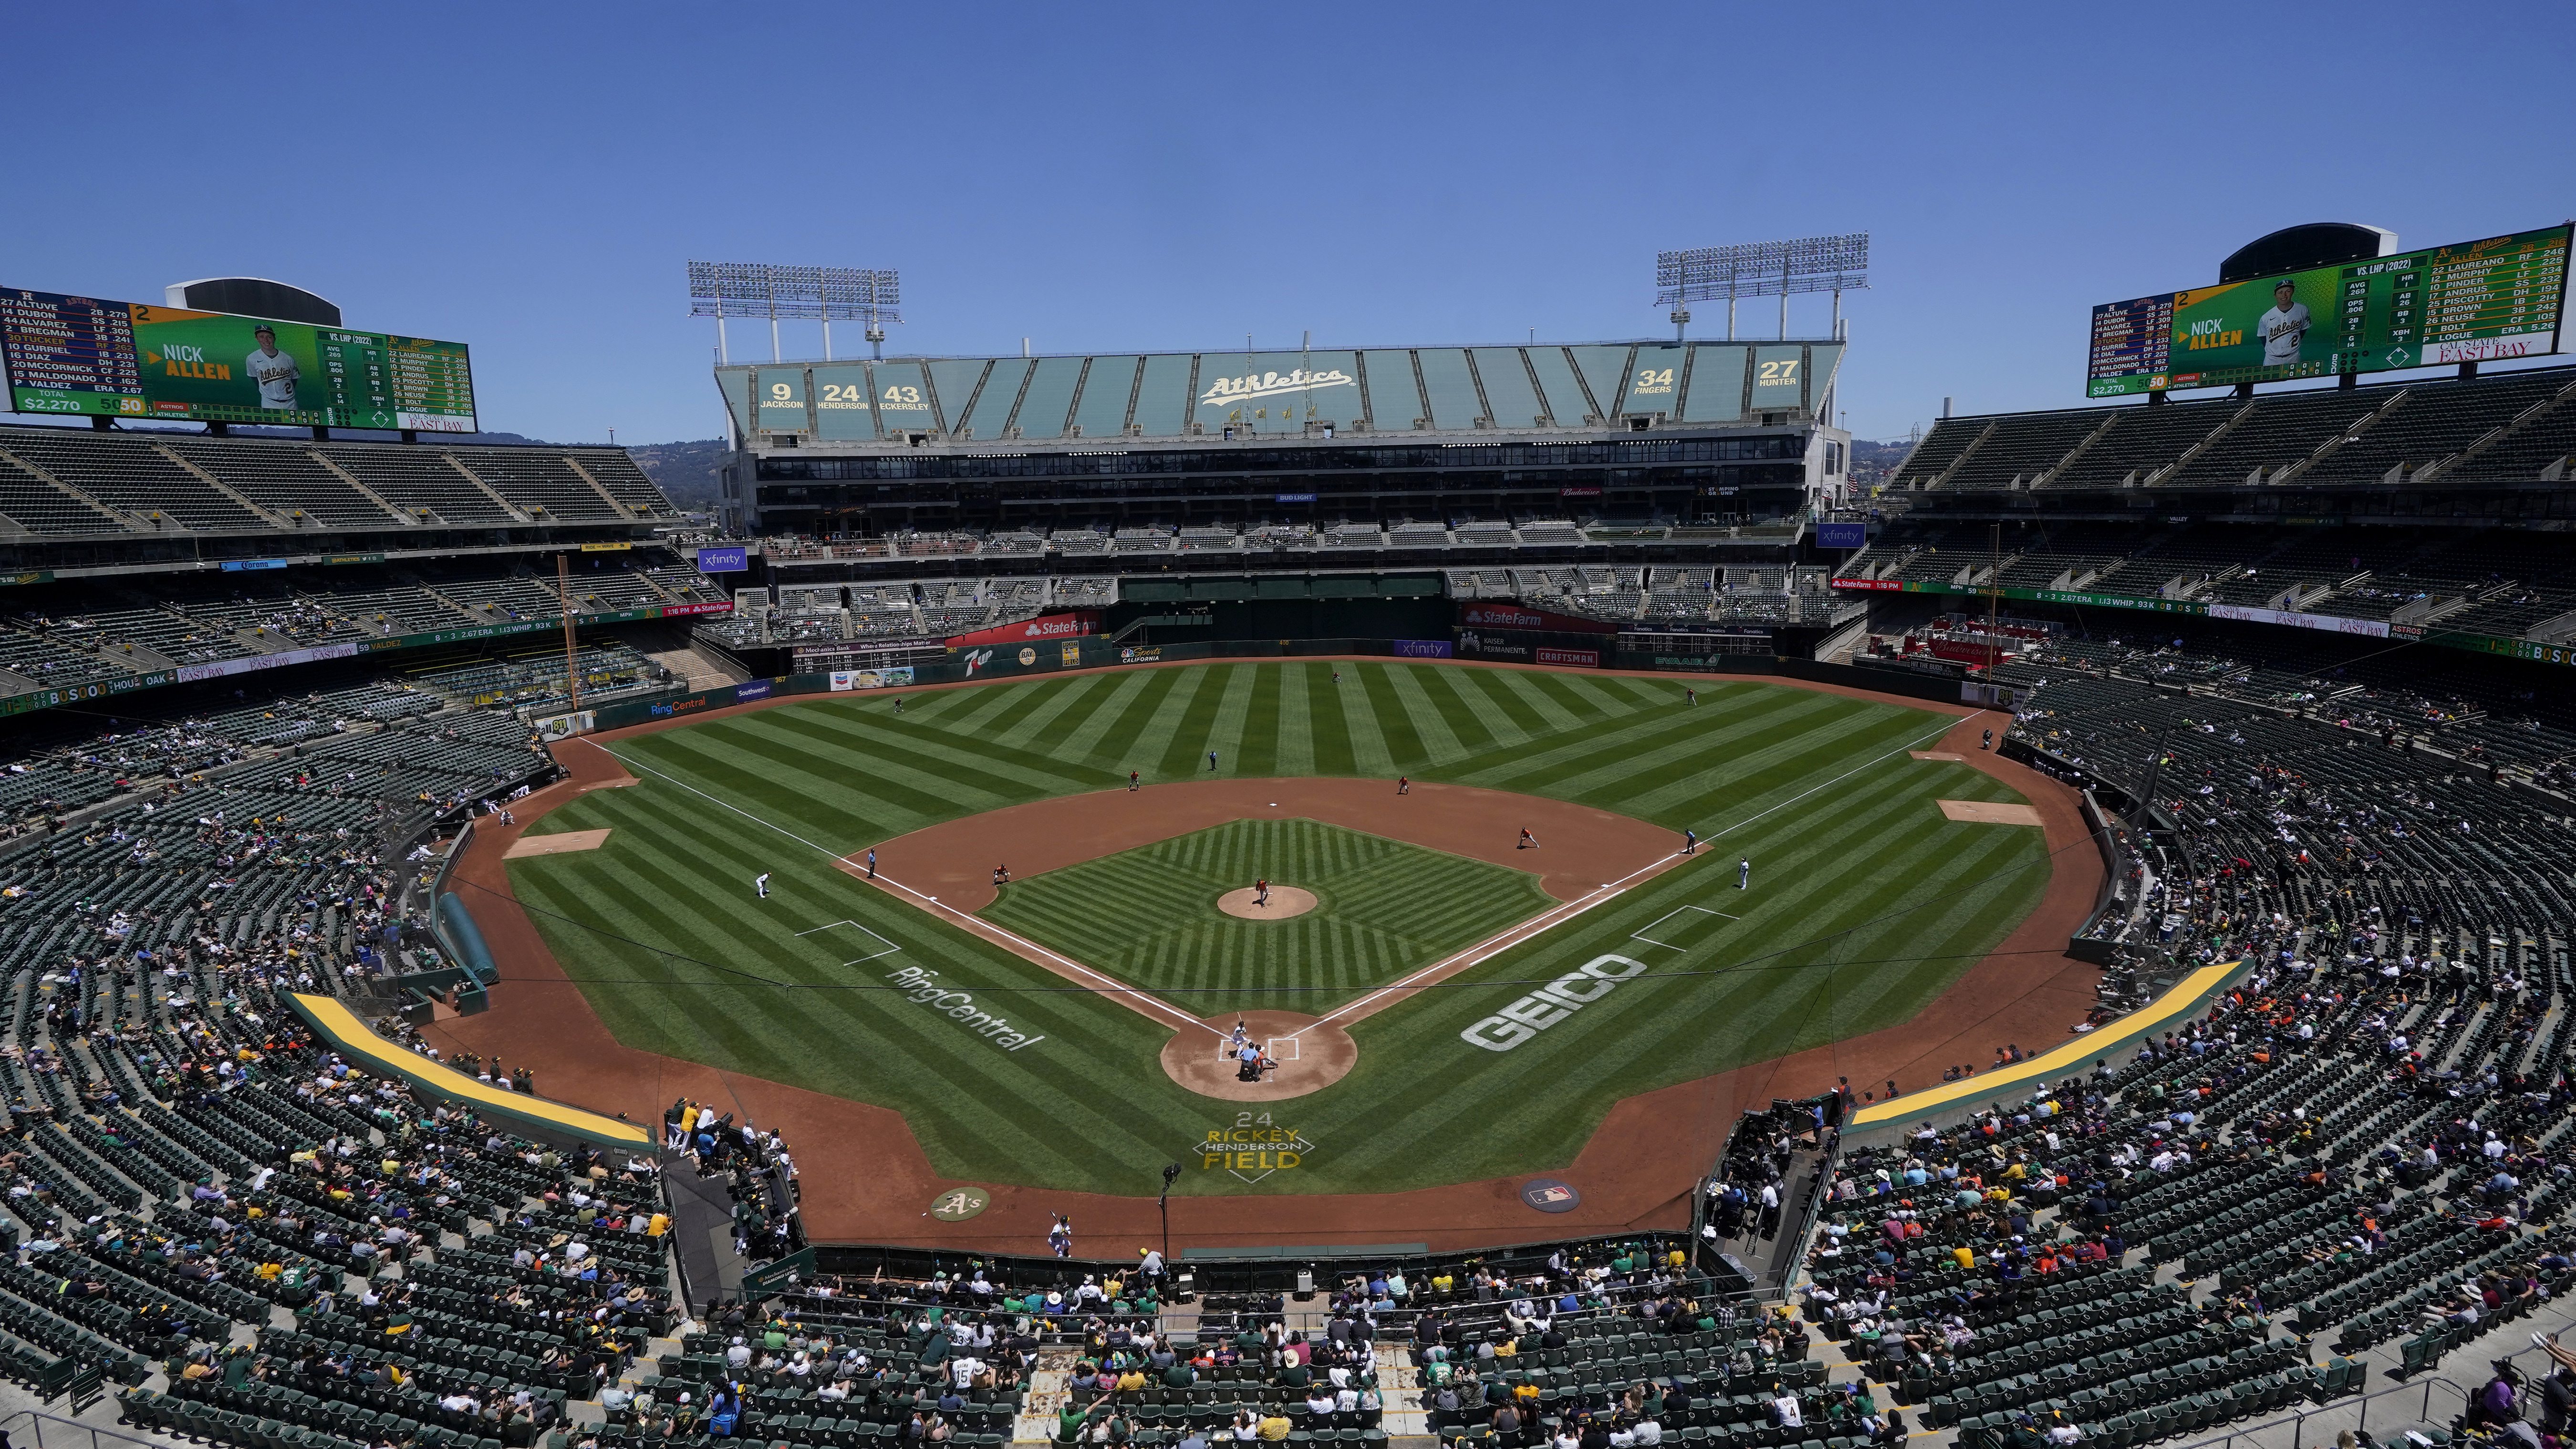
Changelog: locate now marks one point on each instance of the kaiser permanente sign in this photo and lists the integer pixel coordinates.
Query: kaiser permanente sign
(2561, 654)
(35, 699)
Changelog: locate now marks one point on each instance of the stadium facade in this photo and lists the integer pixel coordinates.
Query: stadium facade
(1650, 431)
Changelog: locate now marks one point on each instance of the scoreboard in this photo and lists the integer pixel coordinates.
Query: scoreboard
(66, 354)
(2473, 302)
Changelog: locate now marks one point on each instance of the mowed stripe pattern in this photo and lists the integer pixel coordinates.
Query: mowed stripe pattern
(1867, 902)
(1147, 916)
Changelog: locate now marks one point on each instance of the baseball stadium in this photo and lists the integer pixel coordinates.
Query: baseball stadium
(1503, 894)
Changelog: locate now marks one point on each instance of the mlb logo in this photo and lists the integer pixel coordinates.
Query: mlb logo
(1551, 1194)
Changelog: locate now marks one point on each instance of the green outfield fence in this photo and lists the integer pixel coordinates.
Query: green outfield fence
(1093, 652)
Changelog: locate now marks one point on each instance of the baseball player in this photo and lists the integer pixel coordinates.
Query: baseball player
(1404, 784)
(274, 371)
(1528, 841)
(1133, 781)
(1743, 875)
(2285, 326)
(1261, 891)
(1690, 696)
(760, 883)
(1211, 759)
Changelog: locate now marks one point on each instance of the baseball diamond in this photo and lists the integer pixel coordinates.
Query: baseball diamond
(1872, 900)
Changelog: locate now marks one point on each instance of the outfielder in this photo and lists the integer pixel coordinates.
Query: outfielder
(760, 883)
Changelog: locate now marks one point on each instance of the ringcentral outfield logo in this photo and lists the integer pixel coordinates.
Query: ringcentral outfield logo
(1254, 385)
(959, 1007)
(1550, 1004)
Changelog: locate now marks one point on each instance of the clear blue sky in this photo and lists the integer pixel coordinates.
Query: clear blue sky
(530, 178)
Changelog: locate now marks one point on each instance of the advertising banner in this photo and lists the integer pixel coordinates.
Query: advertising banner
(252, 565)
(564, 726)
(849, 679)
(620, 546)
(677, 611)
(1586, 658)
(723, 560)
(2330, 623)
(1140, 654)
(1842, 535)
(750, 690)
(1513, 616)
(1422, 649)
(30, 576)
(1045, 626)
(222, 668)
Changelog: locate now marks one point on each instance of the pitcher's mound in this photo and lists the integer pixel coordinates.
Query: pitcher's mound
(1285, 901)
(1312, 1055)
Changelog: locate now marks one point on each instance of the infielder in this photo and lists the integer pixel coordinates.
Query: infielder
(1743, 874)
(760, 883)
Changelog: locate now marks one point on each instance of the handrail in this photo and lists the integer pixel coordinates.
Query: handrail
(2359, 1406)
(67, 1433)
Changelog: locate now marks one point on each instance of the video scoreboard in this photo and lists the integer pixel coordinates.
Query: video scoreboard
(67, 354)
(2474, 302)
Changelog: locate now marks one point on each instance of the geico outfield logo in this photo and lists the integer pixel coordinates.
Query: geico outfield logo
(1550, 1004)
(959, 1007)
(1254, 385)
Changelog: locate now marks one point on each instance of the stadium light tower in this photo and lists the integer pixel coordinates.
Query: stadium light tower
(826, 294)
(1761, 269)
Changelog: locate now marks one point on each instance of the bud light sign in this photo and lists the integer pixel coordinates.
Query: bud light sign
(722, 560)
(1842, 535)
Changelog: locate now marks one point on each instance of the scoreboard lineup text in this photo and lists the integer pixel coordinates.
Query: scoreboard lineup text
(2474, 302)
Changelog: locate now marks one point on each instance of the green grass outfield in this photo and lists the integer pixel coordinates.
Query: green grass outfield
(1383, 908)
(1866, 904)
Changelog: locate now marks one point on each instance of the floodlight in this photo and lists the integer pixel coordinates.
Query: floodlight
(826, 294)
(1762, 269)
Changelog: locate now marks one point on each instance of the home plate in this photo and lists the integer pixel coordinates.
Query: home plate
(1988, 812)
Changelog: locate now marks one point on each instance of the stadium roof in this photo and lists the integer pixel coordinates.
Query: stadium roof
(1269, 396)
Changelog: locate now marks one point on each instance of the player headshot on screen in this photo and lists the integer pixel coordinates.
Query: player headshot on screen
(2283, 326)
(273, 370)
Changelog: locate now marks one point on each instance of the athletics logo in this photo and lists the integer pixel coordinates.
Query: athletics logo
(1253, 386)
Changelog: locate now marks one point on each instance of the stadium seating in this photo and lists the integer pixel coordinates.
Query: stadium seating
(2511, 427)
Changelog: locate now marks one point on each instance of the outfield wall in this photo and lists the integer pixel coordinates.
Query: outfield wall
(1091, 652)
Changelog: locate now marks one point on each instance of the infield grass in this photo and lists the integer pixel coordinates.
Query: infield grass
(1383, 908)
(1866, 904)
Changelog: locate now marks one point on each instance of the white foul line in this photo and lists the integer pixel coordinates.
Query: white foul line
(978, 924)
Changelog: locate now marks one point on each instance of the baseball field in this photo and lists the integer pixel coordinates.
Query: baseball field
(1489, 1000)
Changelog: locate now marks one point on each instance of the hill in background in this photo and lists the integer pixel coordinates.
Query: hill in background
(686, 472)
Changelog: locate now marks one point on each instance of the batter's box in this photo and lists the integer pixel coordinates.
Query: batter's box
(1278, 1049)
(890, 947)
(1683, 929)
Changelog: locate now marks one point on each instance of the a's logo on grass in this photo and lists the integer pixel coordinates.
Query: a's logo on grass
(1253, 1148)
(959, 1007)
(960, 1203)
